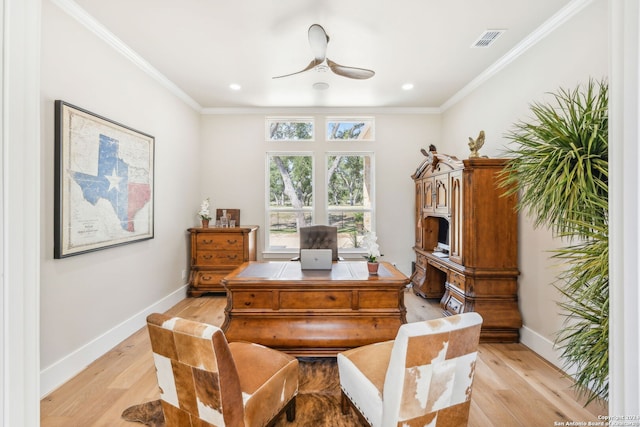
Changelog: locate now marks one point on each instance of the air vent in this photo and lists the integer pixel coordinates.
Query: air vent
(487, 38)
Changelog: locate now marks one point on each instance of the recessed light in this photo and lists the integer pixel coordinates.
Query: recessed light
(407, 86)
(235, 86)
(321, 86)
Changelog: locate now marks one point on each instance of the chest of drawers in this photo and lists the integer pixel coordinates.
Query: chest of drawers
(216, 252)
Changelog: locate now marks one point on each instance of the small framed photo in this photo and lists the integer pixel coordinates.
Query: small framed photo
(103, 182)
(231, 215)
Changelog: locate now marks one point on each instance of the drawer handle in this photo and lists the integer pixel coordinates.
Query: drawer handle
(207, 256)
(232, 242)
(206, 277)
(207, 242)
(232, 256)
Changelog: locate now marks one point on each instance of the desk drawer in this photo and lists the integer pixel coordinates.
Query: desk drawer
(378, 299)
(252, 299)
(312, 300)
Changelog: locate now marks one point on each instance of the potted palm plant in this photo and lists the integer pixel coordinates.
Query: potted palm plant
(559, 166)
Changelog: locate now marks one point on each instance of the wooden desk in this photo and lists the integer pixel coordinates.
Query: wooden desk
(313, 312)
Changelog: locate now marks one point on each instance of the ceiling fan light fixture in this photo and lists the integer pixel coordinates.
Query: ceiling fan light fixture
(321, 86)
(318, 41)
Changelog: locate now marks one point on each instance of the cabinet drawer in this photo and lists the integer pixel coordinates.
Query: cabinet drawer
(453, 306)
(219, 242)
(421, 260)
(457, 280)
(212, 258)
(418, 276)
(208, 278)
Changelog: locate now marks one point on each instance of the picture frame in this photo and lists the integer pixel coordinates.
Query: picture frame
(232, 214)
(104, 189)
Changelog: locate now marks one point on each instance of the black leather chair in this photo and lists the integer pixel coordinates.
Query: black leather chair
(320, 237)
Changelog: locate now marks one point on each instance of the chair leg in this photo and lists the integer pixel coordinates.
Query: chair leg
(344, 403)
(291, 409)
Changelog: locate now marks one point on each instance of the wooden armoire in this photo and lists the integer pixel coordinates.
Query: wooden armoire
(466, 242)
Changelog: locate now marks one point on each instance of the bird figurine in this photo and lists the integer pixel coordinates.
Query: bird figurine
(475, 145)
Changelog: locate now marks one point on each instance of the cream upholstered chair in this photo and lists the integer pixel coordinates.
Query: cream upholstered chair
(423, 377)
(320, 237)
(205, 381)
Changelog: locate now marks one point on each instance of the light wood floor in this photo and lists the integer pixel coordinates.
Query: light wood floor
(513, 386)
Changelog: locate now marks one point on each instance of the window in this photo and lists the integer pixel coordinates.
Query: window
(350, 196)
(289, 129)
(291, 198)
(345, 184)
(345, 129)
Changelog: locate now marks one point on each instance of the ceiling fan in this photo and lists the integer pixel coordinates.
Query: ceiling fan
(318, 40)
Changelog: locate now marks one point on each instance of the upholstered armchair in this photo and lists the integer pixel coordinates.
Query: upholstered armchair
(320, 237)
(205, 381)
(423, 377)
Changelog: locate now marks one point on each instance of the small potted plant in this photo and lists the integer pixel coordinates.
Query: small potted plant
(204, 213)
(373, 252)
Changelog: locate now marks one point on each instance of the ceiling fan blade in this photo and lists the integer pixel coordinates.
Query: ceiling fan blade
(318, 40)
(312, 64)
(350, 72)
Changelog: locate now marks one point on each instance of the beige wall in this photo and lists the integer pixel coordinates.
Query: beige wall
(566, 57)
(88, 301)
(233, 164)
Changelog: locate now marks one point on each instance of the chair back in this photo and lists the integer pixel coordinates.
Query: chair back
(320, 237)
(196, 373)
(431, 371)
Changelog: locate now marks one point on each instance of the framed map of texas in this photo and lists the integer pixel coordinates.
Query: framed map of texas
(103, 182)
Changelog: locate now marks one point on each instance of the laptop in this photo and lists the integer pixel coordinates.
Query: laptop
(315, 259)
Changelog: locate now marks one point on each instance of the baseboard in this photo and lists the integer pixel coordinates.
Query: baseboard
(544, 347)
(66, 368)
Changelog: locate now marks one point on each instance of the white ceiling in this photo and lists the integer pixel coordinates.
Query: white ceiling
(202, 46)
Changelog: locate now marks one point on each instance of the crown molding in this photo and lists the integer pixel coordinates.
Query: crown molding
(79, 14)
(320, 110)
(551, 24)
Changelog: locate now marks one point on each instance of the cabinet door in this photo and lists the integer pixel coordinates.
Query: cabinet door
(456, 222)
(428, 195)
(418, 214)
(441, 190)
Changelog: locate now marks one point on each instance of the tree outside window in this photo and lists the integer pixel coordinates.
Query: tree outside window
(349, 196)
(291, 198)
